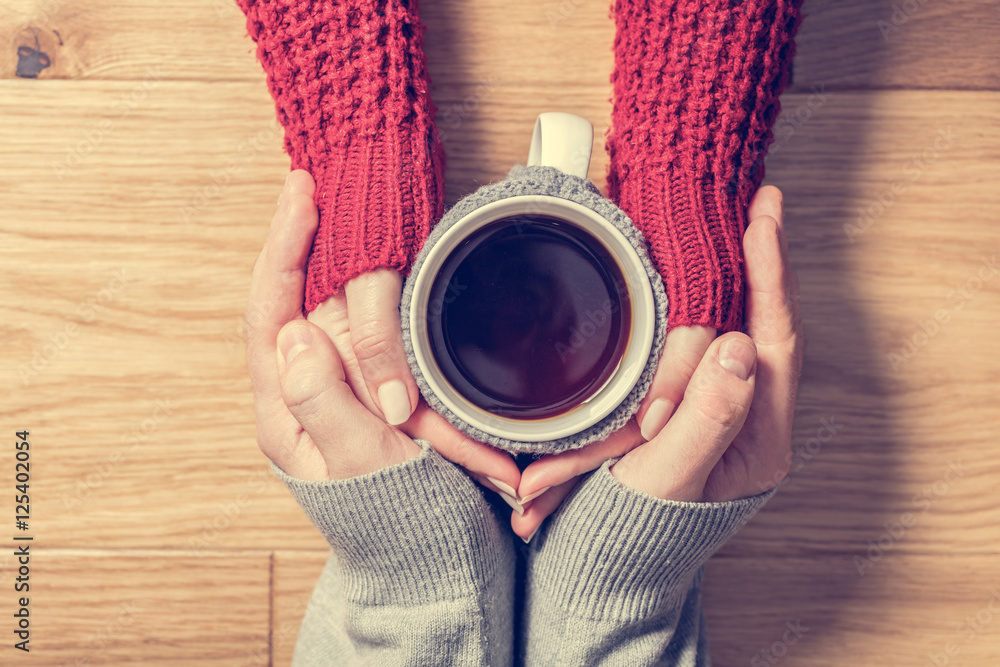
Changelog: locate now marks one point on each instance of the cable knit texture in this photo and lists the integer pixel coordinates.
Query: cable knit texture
(350, 84)
(696, 85)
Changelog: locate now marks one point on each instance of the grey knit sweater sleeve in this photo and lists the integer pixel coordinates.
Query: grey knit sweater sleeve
(421, 571)
(614, 577)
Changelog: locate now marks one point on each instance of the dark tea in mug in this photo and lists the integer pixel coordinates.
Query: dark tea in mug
(529, 317)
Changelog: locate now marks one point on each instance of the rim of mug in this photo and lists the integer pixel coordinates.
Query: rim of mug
(625, 376)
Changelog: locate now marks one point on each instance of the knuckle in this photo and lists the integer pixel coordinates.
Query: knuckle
(277, 452)
(302, 390)
(719, 412)
(258, 313)
(686, 362)
(280, 445)
(678, 369)
(464, 451)
(371, 341)
(782, 467)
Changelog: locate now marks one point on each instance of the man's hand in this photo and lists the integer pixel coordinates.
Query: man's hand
(721, 443)
(314, 396)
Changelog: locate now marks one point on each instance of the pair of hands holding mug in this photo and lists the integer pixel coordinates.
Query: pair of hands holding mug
(334, 397)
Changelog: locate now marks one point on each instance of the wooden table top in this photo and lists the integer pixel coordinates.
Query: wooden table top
(141, 169)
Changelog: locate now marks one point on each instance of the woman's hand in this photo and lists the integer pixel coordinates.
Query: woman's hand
(548, 480)
(322, 385)
(721, 443)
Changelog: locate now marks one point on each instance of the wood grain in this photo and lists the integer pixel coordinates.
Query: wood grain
(116, 607)
(125, 39)
(295, 575)
(169, 332)
(140, 173)
(891, 44)
(810, 612)
(903, 410)
(842, 44)
(817, 612)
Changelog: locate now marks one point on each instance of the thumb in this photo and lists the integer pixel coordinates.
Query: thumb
(676, 463)
(351, 440)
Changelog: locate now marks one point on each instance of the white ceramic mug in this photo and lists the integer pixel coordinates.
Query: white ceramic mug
(563, 141)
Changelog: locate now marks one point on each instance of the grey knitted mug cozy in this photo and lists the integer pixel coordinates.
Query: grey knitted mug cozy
(539, 180)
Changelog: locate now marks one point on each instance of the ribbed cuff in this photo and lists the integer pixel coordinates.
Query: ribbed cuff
(614, 553)
(696, 91)
(413, 533)
(378, 198)
(695, 234)
(351, 88)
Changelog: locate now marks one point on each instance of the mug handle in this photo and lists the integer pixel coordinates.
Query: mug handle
(563, 141)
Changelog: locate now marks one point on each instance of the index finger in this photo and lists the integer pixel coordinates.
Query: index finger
(277, 283)
(774, 323)
(772, 309)
(554, 469)
(460, 449)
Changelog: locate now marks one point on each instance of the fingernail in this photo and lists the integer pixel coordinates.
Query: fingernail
(513, 503)
(528, 538)
(293, 341)
(531, 496)
(656, 416)
(506, 488)
(395, 402)
(737, 357)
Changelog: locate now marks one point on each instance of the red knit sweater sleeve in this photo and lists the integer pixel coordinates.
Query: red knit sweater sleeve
(696, 86)
(350, 84)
